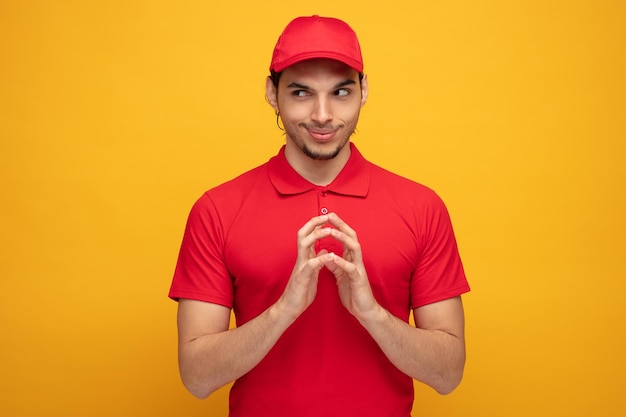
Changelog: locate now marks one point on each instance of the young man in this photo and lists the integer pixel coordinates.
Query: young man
(322, 255)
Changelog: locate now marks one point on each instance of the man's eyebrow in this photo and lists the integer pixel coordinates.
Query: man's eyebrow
(306, 87)
(299, 86)
(345, 83)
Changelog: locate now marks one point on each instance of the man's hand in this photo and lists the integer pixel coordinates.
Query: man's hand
(212, 355)
(433, 353)
(354, 287)
(302, 286)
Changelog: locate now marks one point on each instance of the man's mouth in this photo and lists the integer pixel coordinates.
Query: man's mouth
(322, 135)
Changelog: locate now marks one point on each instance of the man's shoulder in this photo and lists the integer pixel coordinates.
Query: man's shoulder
(228, 197)
(397, 183)
(242, 182)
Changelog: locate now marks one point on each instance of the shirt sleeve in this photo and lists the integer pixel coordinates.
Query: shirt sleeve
(201, 273)
(439, 274)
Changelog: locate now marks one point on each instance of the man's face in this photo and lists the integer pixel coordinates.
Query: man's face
(319, 102)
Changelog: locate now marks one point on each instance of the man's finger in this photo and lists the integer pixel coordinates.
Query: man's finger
(341, 225)
(352, 247)
(310, 233)
(335, 263)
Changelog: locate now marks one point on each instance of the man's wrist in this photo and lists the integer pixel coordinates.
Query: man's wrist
(280, 314)
(375, 317)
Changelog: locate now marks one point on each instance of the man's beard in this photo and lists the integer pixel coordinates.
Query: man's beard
(322, 156)
(318, 156)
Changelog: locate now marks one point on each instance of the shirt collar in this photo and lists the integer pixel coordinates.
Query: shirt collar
(353, 180)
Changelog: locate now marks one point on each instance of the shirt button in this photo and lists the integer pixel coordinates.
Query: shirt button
(324, 210)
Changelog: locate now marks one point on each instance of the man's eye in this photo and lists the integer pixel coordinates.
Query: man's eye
(342, 92)
(299, 93)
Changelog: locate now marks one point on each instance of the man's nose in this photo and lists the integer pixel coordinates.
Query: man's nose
(322, 113)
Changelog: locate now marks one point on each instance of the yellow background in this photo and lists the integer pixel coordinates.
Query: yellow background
(116, 115)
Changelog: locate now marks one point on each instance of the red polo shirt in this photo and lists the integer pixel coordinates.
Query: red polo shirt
(239, 249)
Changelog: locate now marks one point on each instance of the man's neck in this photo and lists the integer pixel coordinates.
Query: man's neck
(318, 172)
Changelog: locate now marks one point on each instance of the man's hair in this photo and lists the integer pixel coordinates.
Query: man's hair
(275, 77)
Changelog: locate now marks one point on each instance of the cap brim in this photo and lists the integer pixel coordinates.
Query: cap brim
(352, 63)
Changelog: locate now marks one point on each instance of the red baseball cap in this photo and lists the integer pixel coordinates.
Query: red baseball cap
(317, 37)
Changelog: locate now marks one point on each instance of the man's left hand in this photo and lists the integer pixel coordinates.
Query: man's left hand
(354, 287)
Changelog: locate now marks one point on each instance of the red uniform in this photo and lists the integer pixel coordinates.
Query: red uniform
(239, 250)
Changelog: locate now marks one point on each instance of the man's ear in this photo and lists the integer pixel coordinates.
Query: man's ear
(271, 93)
(364, 90)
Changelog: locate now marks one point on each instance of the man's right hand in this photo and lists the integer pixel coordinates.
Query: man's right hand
(211, 355)
(302, 286)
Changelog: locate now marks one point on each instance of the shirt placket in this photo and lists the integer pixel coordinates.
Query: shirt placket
(324, 206)
(322, 201)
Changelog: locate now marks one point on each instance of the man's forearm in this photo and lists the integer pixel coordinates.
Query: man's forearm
(211, 356)
(211, 361)
(434, 357)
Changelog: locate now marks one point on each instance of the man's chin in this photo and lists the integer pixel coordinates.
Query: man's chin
(321, 154)
(318, 156)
